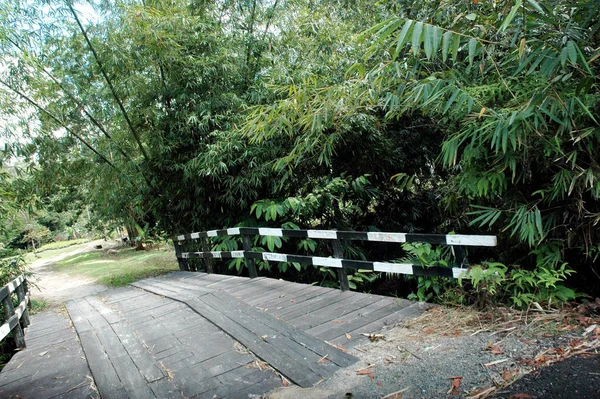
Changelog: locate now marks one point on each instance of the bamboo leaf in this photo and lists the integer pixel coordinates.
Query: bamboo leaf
(403, 37)
(446, 40)
(511, 15)
(416, 38)
(472, 50)
(572, 52)
(428, 40)
(455, 46)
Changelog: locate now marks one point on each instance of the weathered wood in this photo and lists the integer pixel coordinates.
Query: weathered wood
(250, 263)
(295, 334)
(342, 274)
(116, 352)
(256, 335)
(207, 261)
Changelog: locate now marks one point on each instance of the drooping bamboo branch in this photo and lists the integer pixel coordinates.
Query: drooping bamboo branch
(61, 123)
(109, 82)
(72, 97)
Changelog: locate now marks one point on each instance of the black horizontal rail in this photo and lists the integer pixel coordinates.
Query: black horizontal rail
(338, 262)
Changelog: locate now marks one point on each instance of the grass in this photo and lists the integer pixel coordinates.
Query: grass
(121, 268)
(62, 244)
(30, 257)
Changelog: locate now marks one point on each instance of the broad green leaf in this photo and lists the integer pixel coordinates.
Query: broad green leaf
(428, 40)
(572, 52)
(446, 40)
(455, 47)
(472, 50)
(403, 36)
(416, 38)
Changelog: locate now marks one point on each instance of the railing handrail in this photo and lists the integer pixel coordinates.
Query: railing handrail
(337, 262)
(15, 316)
(446, 239)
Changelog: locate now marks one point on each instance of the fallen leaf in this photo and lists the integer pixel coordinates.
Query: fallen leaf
(455, 385)
(497, 350)
(338, 321)
(264, 337)
(428, 331)
(340, 347)
(324, 359)
(365, 371)
(521, 396)
(348, 336)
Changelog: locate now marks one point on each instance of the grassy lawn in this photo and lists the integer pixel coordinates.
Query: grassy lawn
(51, 253)
(63, 244)
(121, 268)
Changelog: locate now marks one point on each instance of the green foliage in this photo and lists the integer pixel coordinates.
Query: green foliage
(11, 268)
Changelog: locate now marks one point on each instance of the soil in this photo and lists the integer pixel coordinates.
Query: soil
(445, 353)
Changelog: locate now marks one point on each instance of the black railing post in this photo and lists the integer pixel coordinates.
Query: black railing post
(21, 296)
(207, 261)
(180, 261)
(341, 272)
(249, 262)
(9, 311)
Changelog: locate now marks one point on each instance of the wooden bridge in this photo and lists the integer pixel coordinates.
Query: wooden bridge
(192, 334)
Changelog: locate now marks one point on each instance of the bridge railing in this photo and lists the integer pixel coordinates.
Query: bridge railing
(337, 261)
(15, 318)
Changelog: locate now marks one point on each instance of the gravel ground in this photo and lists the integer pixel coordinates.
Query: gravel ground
(431, 358)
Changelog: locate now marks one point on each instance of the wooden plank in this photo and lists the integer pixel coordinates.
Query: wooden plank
(107, 380)
(142, 359)
(283, 360)
(285, 293)
(297, 299)
(336, 310)
(133, 364)
(273, 332)
(256, 285)
(310, 305)
(298, 373)
(355, 320)
(307, 341)
(413, 310)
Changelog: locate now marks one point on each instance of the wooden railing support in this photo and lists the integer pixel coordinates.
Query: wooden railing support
(338, 253)
(22, 296)
(249, 262)
(207, 261)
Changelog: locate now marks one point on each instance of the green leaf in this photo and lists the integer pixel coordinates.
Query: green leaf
(428, 40)
(472, 50)
(572, 52)
(416, 38)
(471, 16)
(403, 37)
(446, 40)
(511, 15)
(455, 47)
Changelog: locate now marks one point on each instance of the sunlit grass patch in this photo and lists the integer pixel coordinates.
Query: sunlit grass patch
(121, 268)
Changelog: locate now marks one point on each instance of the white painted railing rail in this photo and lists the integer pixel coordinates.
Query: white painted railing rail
(337, 261)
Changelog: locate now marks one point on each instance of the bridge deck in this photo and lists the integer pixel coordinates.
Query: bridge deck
(196, 335)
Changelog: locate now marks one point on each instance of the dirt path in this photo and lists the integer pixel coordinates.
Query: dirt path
(58, 287)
